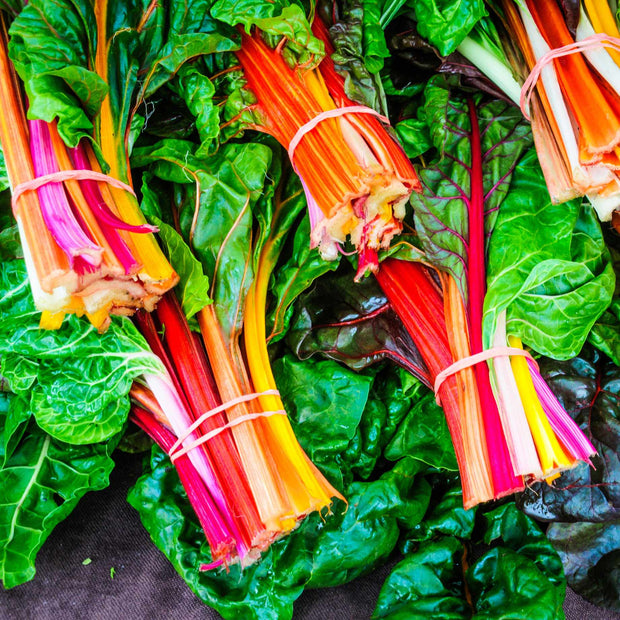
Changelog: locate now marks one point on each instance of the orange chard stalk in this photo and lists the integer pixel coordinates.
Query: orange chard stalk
(583, 89)
(417, 299)
(48, 267)
(356, 178)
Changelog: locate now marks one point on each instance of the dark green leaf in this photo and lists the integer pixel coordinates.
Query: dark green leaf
(590, 554)
(301, 269)
(424, 435)
(359, 50)
(324, 551)
(584, 504)
(193, 288)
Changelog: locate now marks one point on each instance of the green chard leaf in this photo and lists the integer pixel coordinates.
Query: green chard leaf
(605, 333)
(42, 480)
(229, 184)
(320, 553)
(359, 52)
(548, 267)
(445, 23)
(76, 381)
(302, 268)
(276, 20)
(193, 287)
(461, 564)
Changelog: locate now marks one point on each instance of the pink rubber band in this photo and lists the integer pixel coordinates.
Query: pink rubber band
(472, 360)
(216, 431)
(66, 175)
(209, 414)
(310, 125)
(592, 42)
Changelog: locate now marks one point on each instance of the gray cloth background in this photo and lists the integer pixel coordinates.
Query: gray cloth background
(107, 530)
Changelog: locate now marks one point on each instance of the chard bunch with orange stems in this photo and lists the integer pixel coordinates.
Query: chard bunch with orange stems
(87, 246)
(356, 178)
(575, 104)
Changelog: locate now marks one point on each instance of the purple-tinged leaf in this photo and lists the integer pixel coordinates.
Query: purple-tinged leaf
(354, 324)
(442, 209)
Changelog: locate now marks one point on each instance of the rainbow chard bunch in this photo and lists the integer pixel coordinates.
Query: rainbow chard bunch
(497, 276)
(87, 70)
(356, 177)
(560, 63)
(224, 271)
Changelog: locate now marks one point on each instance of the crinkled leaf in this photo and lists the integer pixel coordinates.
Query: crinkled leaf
(352, 323)
(445, 23)
(82, 377)
(414, 136)
(425, 584)
(424, 435)
(548, 267)
(589, 389)
(42, 482)
(230, 183)
(276, 19)
(192, 32)
(359, 51)
(197, 90)
(605, 334)
(54, 44)
(446, 517)
(442, 209)
(584, 504)
(324, 551)
(443, 577)
(325, 402)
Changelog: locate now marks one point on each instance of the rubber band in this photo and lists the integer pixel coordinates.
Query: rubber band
(592, 42)
(66, 175)
(472, 360)
(319, 118)
(209, 414)
(216, 431)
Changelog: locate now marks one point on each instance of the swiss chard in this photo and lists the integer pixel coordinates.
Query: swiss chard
(353, 324)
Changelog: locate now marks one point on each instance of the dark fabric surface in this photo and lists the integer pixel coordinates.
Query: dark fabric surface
(107, 530)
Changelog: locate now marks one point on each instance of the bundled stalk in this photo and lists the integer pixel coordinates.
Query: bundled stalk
(236, 464)
(568, 83)
(87, 246)
(356, 178)
(506, 426)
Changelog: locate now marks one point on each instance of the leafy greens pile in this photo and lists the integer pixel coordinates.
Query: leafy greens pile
(373, 429)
